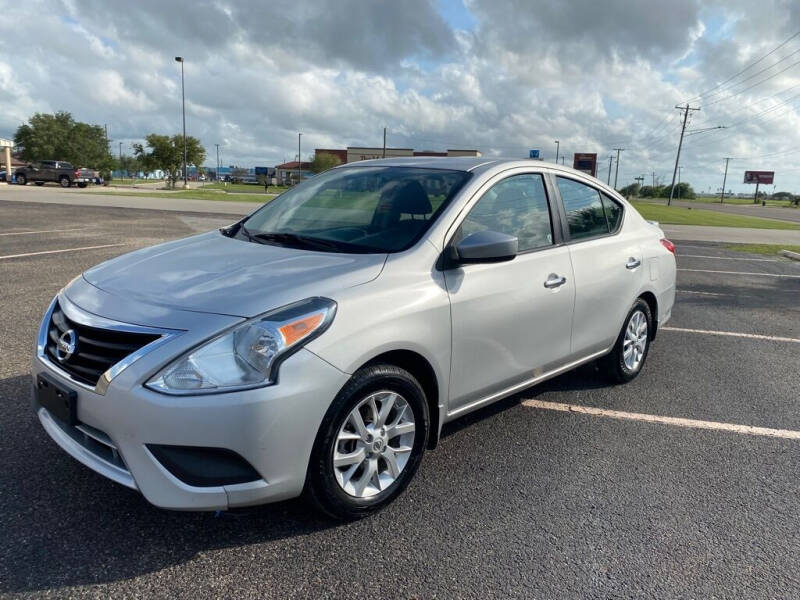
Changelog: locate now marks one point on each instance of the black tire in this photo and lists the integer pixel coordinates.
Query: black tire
(21, 179)
(64, 181)
(322, 486)
(39, 183)
(81, 185)
(613, 364)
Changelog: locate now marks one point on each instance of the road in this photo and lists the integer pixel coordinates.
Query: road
(750, 210)
(517, 501)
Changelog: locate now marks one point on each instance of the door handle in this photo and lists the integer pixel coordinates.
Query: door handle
(633, 263)
(554, 281)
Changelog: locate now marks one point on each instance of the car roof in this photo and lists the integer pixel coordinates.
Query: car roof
(462, 163)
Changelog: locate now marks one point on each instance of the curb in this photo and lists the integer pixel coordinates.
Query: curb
(790, 254)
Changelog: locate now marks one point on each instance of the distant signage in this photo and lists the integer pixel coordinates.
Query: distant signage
(261, 171)
(533, 154)
(585, 162)
(759, 176)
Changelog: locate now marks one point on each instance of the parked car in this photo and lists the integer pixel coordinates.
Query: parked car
(56, 171)
(319, 344)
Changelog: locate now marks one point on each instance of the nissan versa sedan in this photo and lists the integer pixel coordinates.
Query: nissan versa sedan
(318, 345)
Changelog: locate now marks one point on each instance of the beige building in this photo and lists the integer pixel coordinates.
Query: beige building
(355, 153)
(5, 148)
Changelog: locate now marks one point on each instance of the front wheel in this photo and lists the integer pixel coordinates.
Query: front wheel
(627, 358)
(64, 181)
(81, 185)
(21, 179)
(369, 444)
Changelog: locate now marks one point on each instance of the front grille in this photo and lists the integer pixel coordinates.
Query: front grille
(96, 350)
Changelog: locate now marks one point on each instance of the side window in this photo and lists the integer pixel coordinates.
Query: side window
(516, 206)
(613, 213)
(584, 209)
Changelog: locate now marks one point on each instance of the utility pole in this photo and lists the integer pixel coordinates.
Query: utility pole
(558, 147)
(685, 110)
(610, 158)
(639, 180)
(616, 173)
(724, 180)
(299, 162)
(216, 171)
(654, 180)
(384, 142)
(562, 160)
(120, 159)
(183, 111)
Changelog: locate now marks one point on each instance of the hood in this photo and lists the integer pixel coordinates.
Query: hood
(216, 274)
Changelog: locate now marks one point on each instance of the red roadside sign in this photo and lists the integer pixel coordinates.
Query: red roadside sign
(759, 176)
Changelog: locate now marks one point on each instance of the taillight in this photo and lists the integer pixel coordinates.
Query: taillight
(77, 173)
(667, 244)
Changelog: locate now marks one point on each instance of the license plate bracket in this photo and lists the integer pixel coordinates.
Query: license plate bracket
(61, 401)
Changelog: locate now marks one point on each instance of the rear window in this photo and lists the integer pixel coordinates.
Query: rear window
(584, 209)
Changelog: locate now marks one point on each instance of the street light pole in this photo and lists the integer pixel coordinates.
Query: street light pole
(120, 159)
(216, 171)
(183, 111)
(558, 146)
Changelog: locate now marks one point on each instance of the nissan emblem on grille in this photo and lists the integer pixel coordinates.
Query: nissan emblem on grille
(66, 345)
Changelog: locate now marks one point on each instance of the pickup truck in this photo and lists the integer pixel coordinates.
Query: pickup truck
(56, 171)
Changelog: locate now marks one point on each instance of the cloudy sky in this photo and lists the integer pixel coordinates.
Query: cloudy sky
(501, 76)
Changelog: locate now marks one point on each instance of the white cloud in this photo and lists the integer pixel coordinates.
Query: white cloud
(593, 75)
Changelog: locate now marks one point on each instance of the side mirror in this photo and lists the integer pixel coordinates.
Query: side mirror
(486, 247)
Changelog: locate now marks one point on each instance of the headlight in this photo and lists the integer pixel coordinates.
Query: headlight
(249, 354)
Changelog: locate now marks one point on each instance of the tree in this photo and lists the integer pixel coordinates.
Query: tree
(630, 190)
(60, 137)
(683, 191)
(165, 153)
(323, 161)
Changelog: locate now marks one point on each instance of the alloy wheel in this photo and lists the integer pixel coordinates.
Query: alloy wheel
(635, 341)
(374, 444)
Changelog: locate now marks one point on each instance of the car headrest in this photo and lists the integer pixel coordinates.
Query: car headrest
(405, 197)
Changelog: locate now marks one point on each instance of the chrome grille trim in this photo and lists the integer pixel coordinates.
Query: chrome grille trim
(81, 317)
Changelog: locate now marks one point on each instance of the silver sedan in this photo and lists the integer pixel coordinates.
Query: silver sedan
(318, 345)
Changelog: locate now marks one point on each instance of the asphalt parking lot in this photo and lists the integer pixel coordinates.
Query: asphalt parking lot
(519, 499)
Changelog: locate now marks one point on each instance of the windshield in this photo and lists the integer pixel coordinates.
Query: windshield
(357, 209)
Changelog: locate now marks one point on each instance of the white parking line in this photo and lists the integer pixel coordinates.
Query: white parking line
(675, 421)
(59, 251)
(752, 336)
(703, 293)
(44, 231)
(727, 258)
(742, 273)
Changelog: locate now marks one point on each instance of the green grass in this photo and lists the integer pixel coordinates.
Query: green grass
(247, 188)
(197, 195)
(767, 249)
(675, 215)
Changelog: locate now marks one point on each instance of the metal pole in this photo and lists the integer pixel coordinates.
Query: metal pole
(183, 113)
(299, 135)
(685, 110)
(724, 180)
(616, 171)
(558, 146)
(755, 197)
(562, 160)
(120, 159)
(610, 158)
(384, 142)
(216, 171)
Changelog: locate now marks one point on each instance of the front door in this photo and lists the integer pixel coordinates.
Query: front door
(511, 321)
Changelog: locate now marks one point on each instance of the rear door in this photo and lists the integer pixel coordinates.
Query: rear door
(46, 171)
(511, 321)
(606, 260)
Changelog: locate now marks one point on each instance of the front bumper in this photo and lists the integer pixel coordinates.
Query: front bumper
(272, 428)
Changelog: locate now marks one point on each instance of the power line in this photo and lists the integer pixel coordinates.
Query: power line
(740, 92)
(751, 65)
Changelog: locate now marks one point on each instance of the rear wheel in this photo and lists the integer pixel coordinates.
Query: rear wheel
(81, 185)
(64, 181)
(627, 358)
(21, 179)
(370, 443)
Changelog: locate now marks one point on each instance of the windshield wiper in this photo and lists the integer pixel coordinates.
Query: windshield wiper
(308, 242)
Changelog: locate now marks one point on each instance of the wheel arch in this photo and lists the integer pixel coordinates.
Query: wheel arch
(652, 302)
(425, 374)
